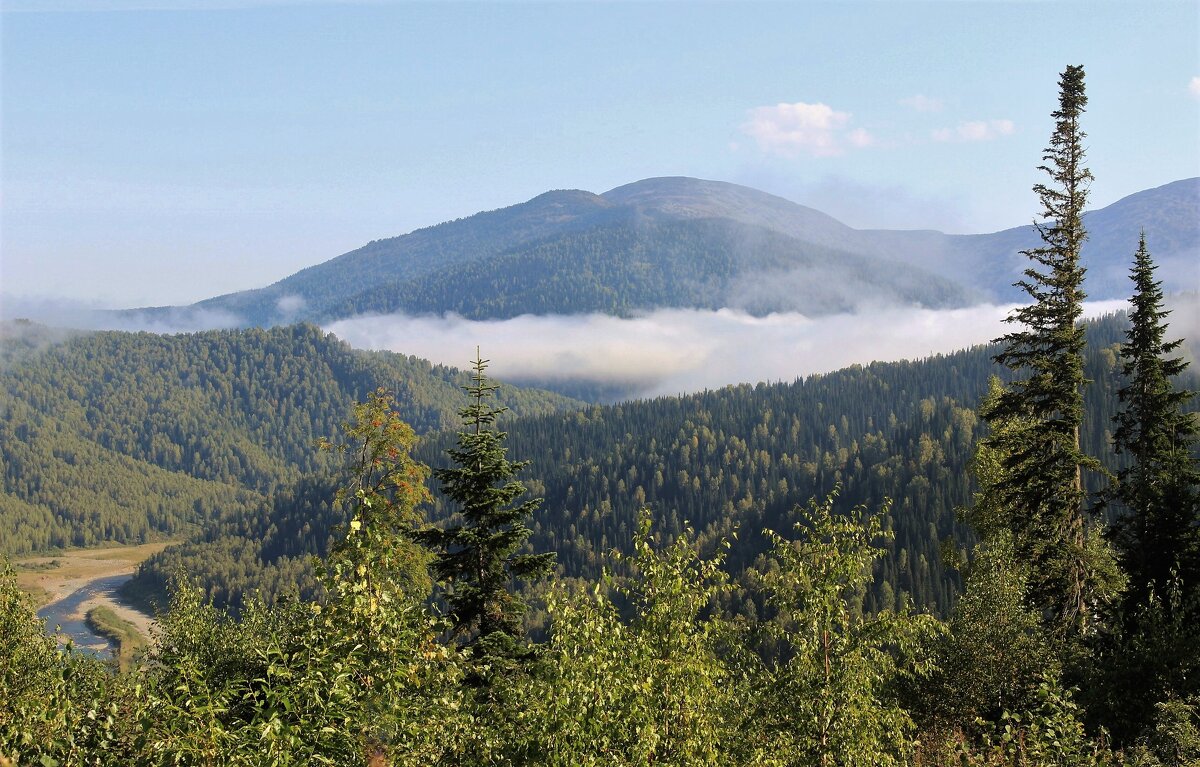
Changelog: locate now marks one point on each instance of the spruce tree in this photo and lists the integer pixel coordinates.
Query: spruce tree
(1043, 459)
(477, 557)
(1149, 652)
(1158, 534)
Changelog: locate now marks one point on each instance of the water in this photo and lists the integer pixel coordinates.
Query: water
(69, 615)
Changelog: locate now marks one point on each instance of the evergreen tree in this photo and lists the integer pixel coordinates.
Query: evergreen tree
(1043, 460)
(997, 650)
(1149, 653)
(478, 556)
(1160, 532)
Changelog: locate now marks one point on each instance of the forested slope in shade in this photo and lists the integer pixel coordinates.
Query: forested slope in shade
(124, 437)
(739, 457)
(624, 267)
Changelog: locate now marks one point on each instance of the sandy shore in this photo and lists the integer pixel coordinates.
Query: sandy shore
(51, 578)
(145, 624)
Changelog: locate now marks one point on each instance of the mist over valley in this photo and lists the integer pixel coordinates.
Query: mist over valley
(509, 384)
(673, 285)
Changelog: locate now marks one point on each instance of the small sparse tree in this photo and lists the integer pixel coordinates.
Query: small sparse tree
(355, 678)
(650, 690)
(376, 563)
(831, 699)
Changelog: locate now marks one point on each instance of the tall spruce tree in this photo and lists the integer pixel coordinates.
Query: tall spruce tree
(1149, 650)
(1159, 532)
(1043, 459)
(478, 558)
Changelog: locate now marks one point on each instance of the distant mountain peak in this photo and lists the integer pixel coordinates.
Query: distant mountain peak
(566, 197)
(679, 241)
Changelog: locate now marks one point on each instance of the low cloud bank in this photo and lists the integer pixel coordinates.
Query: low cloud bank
(673, 351)
(665, 352)
(83, 315)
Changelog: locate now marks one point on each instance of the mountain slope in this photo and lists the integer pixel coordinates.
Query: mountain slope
(706, 263)
(689, 243)
(123, 437)
(985, 263)
(740, 457)
(422, 252)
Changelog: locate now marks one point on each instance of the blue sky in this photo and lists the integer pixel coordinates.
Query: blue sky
(160, 152)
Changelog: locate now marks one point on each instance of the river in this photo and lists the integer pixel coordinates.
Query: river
(70, 613)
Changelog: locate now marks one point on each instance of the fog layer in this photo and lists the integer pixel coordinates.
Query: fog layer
(673, 351)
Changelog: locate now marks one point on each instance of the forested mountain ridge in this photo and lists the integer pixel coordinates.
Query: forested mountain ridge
(124, 437)
(714, 243)
(621, 270)
(737, 457)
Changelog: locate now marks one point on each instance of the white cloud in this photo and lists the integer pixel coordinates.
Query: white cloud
(860, 138)
(799, 128)
(1194, 87)
(920, 103)
(289, 306)
(92, 315)
(975, 130)
(672, 351)
(665, 352)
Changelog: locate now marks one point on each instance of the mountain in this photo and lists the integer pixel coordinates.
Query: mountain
(689, 243)
(126, 437)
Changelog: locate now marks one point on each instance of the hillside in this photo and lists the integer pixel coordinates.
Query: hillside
(126, 437)
(623, 269)
(736, 458)
(689, 243)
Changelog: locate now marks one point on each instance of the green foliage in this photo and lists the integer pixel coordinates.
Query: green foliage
(743, 455)
(1041, 449)
(130, 437)
(290, 684)
(1158, 533)
(1174, 737)
(996, 651)
(478, 557)
(832, 699)
(355, 677)
(375, 562)
(650, 689)
(103, 620)
(1049, 735)
(269, 549)
(57, 708)
(1148, 653)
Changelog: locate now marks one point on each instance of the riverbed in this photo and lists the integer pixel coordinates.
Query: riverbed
(69, 615)
(67, 585)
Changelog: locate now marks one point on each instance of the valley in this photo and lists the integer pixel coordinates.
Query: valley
(53, 577)
(599, 384)
(68, 584)
(132, 457)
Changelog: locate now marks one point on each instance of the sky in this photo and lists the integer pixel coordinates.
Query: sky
(159, 152)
